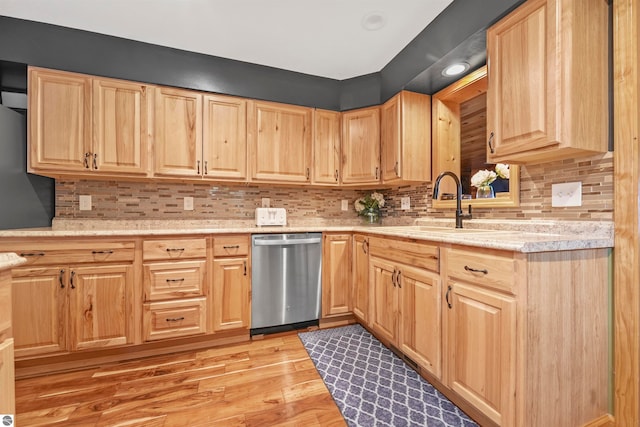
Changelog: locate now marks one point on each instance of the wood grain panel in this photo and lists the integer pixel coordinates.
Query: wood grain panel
(231, 245)
(414, 253)
(326, 147)
(175, 318)
(162, 249)
(175, 279)
(361, 146)
(336, 274)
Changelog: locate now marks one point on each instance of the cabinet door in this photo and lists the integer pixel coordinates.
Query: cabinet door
(336, 274)
(121, 116)
(391, 139)
(481, 334)
(384, 299)
(59, 121)
(101, 300)
(231, 293)
(178, 136)
(7, 378)
(224, 138)
(420, 311)
(326, 148)
(360, 282)
(361, 146)
(280, 138)
(40, 310)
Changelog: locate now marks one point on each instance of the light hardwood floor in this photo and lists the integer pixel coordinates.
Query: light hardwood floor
(262, 383)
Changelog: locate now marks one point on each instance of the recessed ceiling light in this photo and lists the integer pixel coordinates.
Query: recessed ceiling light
(373, 21)
(455, 69)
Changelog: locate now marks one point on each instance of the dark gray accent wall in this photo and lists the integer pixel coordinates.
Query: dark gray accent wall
(25, 200)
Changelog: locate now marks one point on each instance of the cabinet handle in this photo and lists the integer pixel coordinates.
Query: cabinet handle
(490, 142)
(102, 252)
(206, 167)
(85, 162)
(174, 319)
(244, 264)
(395, 169)
(393, 277)
(475, 270)
(446, 297)
(308, 174)
(231, 247)
(365, 246)
(175, 249)
(399, 278)
(28, 254)
(95, 161)
(175, 280)
(198, 163)
(336, 175)
(377, 171)
(73, 274)
(61, 278)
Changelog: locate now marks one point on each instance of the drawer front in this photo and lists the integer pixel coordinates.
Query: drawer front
(167, 280)
(416, 254)
(493, 270)
(230, 245)
(47, 253)
(172, 319)
(174, 249)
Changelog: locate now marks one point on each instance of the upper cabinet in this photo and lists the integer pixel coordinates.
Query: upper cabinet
(406, 138)
(280, 142)
(81, 125)
(548, 82)
(361, 146)
(326, 148)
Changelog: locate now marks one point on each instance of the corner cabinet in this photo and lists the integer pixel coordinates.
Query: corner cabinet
(336, 274)
(547, 95)
(280, 142)
(326, 148)
(406, 138)
(80, 125)
(361, 146)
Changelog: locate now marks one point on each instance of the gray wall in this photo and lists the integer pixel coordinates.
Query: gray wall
(26, 200)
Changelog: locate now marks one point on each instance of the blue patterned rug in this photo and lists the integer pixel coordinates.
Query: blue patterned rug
(374, 387)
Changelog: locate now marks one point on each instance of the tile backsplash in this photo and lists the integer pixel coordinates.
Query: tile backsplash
(163, 200)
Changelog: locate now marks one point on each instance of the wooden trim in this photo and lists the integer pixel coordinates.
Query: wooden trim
(626, 94)
(603, 421)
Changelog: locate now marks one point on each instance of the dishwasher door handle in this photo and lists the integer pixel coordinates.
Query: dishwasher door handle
(283, 242)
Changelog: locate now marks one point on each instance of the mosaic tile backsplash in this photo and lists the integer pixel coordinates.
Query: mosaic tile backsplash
(164, 200)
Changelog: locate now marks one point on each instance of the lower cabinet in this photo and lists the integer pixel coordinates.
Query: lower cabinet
(360, 279)
(7, 370)
(336, 274)
(174, 318)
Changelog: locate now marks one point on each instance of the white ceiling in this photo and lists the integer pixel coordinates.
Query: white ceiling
(319, 37)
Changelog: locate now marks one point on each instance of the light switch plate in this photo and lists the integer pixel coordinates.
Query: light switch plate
(85, 202)
(405, 203)
(345, 205)
(188, 203)
(271, 216)
(566, 194)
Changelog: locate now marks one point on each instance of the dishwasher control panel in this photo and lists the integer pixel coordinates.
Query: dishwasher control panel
(271, 216)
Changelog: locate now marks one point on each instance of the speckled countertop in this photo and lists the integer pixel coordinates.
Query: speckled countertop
(9, 260)
(515, 235)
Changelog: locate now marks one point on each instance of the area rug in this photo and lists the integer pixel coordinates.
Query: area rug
(374, 387)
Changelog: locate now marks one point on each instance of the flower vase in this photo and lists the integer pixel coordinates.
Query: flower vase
(485, 192)
(371, 216)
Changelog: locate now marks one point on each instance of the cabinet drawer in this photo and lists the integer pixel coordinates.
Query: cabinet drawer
(172, 319)
(167, 280)
(416, 254)
(47, 253)
(230, 245)
(492, 270)
(174, 249)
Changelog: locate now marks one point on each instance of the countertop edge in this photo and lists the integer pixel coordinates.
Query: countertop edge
(10, 260)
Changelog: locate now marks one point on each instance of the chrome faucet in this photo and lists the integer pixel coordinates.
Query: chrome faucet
(459, 215)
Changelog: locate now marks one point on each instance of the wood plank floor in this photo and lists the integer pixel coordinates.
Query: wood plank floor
(270, 382)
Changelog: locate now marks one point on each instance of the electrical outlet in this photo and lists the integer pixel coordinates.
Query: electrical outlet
(566, 194)
(266, 202)
(345, 205)
(188, 203)
(85, 203)
(405, 203)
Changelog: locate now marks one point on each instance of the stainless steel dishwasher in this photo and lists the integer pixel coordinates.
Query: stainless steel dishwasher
(286, 281)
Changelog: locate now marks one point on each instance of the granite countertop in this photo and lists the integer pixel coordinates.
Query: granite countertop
(514, 235)
(10, 260)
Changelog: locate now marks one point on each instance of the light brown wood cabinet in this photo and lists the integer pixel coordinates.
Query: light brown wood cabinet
(547, 97)
(360, 280)
(336, 274)
(361, 146)
(280, 142)
(405, 123)
(231, 308)
(175, 287)
(7, 370)
(326, 147)
(81, 125)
